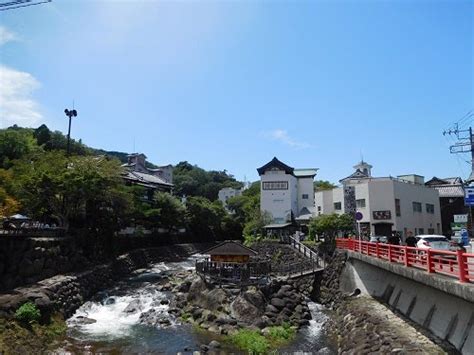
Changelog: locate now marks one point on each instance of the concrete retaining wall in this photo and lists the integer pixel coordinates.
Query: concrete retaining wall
(438, 304)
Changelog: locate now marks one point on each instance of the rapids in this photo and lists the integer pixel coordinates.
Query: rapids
(113, 321)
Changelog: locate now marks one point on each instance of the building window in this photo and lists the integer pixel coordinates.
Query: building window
(398, 210)
(337, 206)
(304, 196)
(429, 208)
(416, 206)
(319, 208)
(421, 231)
(360, 203)
(431, 231)
(275, 185)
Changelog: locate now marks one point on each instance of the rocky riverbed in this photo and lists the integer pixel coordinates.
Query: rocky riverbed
(169, 309)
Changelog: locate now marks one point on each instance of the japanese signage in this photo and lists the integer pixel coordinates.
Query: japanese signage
(460, 218)
(382, 215)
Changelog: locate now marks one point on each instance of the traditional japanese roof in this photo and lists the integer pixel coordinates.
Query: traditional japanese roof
(310, 172)
(356, 175)
(447, 187)
(144, 178)
(230, 248)
(275, 163)
(450, 191)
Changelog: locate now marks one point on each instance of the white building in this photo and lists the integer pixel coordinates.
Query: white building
(285, 192)
(403, 204)
(228, 192)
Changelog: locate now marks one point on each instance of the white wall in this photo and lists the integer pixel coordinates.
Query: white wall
(380, 195)
(305, 186)
(409, 193)
(278, 203)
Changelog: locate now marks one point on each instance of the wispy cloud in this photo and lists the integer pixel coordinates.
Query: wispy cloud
(282, 136)
(6, 35)
(16, 104)
(16, 87)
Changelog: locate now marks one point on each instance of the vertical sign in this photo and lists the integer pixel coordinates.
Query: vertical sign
(469, 196)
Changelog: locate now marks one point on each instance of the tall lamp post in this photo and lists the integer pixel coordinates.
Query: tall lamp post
(70, 114)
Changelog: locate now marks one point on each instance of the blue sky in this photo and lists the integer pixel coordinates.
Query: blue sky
(230, 84)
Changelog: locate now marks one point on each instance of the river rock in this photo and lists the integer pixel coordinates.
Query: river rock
(214, 344)
(245, 311)
(256, 298)
(133, 307)
(84, 320)
(278, 303)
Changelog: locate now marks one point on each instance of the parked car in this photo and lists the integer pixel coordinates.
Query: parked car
(433, 241)
(378, 239)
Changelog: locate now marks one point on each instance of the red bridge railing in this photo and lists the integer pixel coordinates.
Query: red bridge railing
(456, 264)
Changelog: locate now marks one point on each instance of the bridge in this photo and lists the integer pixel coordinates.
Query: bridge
(433, 288)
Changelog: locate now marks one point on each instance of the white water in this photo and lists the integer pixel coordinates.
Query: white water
(111, 320)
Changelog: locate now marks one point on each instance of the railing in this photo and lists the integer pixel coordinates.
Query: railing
(456, 264)
(236, 273)
(307, 252)
(33, 232)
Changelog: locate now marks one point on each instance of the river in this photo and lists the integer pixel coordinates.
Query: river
(103, 326)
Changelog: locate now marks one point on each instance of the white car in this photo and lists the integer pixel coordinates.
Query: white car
(433, 241)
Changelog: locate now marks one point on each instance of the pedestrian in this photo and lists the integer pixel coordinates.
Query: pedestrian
(410, 241)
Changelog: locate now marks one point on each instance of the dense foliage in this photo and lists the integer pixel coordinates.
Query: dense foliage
(28, 313)
(321, 185)
(330, 225)
(191, 180)
(85, 191)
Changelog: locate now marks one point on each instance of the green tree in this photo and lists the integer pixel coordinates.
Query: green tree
(329, 225)
(81, 191)
(205, 217)
(166, 212)
(321, 185)
(15, 144)
(42, 134)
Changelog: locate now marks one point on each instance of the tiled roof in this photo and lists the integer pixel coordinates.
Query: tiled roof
(145, 178)
(305, 172)
(450, 190)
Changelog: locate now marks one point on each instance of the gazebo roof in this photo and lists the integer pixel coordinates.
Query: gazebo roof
(230, 248)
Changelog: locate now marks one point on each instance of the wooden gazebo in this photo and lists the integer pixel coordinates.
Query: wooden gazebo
(230, 263)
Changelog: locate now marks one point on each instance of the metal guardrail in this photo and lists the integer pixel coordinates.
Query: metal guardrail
(455, 264)
(307, 252)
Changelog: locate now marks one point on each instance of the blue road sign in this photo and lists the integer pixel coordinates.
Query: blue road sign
(359, 216)
(469, 196)
(464, 236)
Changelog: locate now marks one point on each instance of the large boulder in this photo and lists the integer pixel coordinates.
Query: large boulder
(256, 298)
(245, 311)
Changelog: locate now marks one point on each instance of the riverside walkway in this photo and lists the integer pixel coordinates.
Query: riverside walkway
(454, 264)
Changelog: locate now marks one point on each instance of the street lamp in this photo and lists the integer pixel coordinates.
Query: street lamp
(70, 114)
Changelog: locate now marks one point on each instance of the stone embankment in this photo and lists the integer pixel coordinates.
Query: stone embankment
(66, 293)
(362, 325)
(28, 260)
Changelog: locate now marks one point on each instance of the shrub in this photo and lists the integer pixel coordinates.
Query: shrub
(28, 313)
(282, 333)
(250, 341)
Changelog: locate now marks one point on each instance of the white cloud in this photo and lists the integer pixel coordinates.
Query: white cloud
(6, 36)
(282, 136)
(16, 104)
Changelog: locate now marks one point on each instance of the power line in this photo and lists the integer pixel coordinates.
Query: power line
(11, 5)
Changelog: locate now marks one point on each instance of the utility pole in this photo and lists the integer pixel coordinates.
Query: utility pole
(465, 144)
(70, 114)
